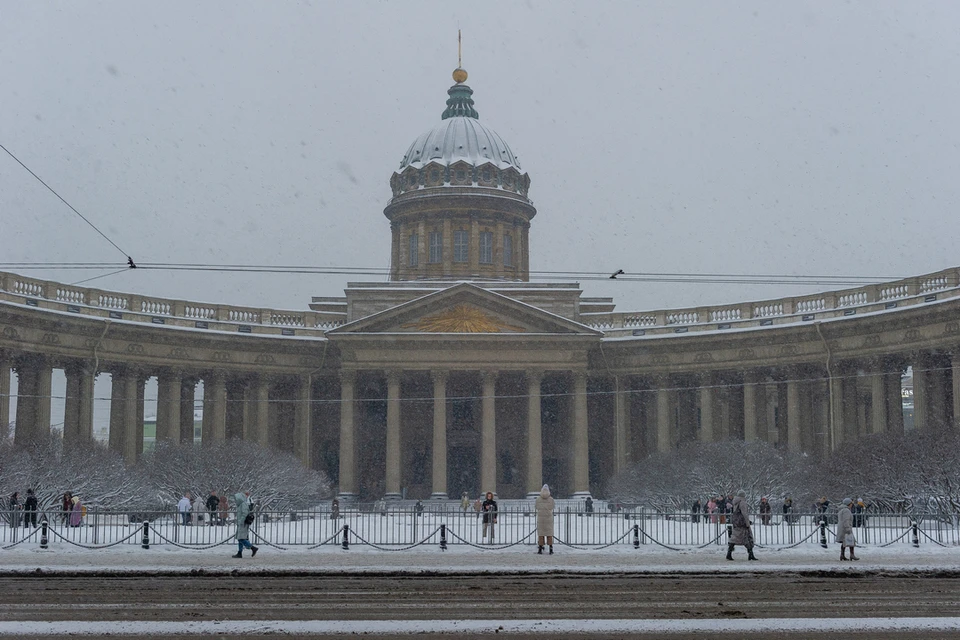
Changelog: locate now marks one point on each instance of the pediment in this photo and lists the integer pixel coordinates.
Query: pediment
(461, 309)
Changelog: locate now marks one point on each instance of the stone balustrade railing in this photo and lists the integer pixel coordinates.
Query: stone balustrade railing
(819, 306)
(158, 311)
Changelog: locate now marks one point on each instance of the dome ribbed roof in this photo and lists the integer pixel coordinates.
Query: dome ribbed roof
(460, 136)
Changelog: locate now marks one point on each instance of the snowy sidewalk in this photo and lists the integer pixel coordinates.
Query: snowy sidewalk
(461, 559)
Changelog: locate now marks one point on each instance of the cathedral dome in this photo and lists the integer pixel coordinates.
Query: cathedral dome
(460, 151)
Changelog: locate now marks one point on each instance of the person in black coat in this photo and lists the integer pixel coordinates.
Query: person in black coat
(30, 508)
(489, 510)
(695, 511)
(213, 506)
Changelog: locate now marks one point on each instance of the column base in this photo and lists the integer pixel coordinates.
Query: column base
(439, 496)
(533, 495)
(582, 494)
(392, 496)
(346, 496)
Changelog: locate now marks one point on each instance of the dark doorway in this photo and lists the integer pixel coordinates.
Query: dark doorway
(463, 472)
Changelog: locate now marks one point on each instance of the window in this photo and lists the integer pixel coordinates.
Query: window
(436, 247)
(507, 250)
(414, 250)
(461, 247)
(461, 175)
(486, 175)
(486, 247)
(434, 175)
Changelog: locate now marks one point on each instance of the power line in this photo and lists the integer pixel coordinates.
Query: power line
(72, 208)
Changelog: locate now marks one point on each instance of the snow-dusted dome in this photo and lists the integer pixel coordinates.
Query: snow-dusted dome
(460, 136)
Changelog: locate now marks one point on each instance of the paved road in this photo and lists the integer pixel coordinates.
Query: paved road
(719, 600)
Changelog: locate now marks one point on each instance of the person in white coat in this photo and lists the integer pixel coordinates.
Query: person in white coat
(845, 530)
(544, 506)
(184, 508)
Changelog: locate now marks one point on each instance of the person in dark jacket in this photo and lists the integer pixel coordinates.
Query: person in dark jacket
(695, 511)
(213, 506)
(489, 510)
(30, 508)
(764, 511)
(788, 510)
(14, 507)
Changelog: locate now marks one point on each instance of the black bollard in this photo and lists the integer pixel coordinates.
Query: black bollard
(43, 534)
(145, 542)
(916, 536)
(823, 533)
(636, 536)
(443, 537)
(346, 541)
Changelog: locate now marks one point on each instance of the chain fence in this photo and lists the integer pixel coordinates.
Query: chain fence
(403, 525)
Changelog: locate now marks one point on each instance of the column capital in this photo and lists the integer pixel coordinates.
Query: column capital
(489, 375)
(77, 367)
(347, 375)
(440, 375)
(534, 375)
(393, 375)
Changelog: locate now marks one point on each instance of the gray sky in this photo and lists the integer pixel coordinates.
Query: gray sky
(798, 138)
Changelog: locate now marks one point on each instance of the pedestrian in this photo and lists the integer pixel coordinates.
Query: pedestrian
(712, 510)
(845, 530)
(489, 508)
(742, 534)
(464, 503)
(76, 511)
(224, 508)
(695, 511)
(66, 506)
(857, 509)
(544, 506)
(821, 505)
(764, 511)
(335, 509)
(788, 510)
(588, 505)
(418, 508)
(13, 507)
(213, 505)
(183, 507)
(30, 508)
(244, 520)
(198, 508)
(478, 506)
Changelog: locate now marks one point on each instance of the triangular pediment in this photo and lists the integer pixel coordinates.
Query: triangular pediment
(464, 309)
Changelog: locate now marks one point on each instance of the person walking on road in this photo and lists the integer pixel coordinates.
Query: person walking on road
(544, 506)
(245, 518)
(742, 534)
(489, 509)
(845, 530)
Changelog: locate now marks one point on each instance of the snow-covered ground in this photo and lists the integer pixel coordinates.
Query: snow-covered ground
(462, 558)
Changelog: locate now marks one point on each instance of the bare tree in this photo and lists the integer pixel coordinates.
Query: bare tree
(88, 470)
(674, 480)
(276, 480)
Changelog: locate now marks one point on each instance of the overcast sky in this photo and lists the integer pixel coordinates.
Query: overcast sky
(798, 138)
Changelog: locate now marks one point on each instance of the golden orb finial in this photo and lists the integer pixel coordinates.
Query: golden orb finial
(459, 75)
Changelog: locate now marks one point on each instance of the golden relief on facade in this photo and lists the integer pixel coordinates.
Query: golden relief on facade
(462, 319)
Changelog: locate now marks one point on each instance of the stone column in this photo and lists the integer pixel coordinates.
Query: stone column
(117, 435)
(621, 423)
(439, 465)
(262, 411)
(664, 415)
(348, 458)
(794, 415)
(216, 384)
(188, 398)
(168, 406)
(303, 422)
(878, 400)
(707, 418)
(393, 479)
(894, 383)
(581, 440)
(534, 434)
(4, 395)
(836, 399)
(78, 407)
(132, 446)
(27, 381)
(921, 399)
(955, 374)
(488, 433)
(750, 431)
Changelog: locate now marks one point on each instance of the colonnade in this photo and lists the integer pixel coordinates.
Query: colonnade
(801, 408)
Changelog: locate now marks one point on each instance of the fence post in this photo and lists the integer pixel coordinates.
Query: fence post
(916, 536)
(96, 526)
(346, 541)
(823, 533)
(43, 533)
(145, 543)
(636, 536)
(443, 537)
